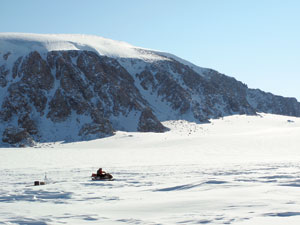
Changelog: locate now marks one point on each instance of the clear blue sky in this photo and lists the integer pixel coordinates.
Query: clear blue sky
(255, 41)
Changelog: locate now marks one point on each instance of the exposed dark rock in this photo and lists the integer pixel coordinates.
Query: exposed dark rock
(15, 102)
(17, 136)
(269, 103)
(149, 123)
(3, 73)
(28, 124)
(36, 72)
(59, 109)
(16, 67)
(147, 80)
(111, 82)
(212, 96)
(99, 130)
(5, 56)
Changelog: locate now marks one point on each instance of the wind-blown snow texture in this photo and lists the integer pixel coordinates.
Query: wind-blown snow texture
(77, 87)
(237, 170)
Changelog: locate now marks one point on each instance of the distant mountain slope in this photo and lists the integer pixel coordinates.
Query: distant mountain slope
(79, 87)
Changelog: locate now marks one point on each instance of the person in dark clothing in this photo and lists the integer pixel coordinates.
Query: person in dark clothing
(101, 175)
(100, 172)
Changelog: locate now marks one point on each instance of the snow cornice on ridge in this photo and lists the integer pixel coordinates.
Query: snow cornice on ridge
(25, 43)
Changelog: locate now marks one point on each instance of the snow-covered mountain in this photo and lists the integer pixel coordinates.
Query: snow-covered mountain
(79, 87)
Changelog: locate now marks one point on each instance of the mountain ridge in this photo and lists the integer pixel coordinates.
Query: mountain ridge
(59, 89)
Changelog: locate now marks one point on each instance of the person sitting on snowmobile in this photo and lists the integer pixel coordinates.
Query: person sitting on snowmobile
(100, 172)
(101, 175)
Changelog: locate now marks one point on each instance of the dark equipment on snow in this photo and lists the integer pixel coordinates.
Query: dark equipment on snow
(37, 183)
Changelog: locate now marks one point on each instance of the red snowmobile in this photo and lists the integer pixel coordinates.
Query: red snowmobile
(101, 175)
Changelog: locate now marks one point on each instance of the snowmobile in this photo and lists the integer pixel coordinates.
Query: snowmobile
(104, 176)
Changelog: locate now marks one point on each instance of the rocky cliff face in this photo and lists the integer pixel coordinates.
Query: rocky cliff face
(74, 95)
(74, 88)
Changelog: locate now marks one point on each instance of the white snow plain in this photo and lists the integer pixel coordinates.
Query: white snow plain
(237, 170)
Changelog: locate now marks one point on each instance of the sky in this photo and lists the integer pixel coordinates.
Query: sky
(255, 41)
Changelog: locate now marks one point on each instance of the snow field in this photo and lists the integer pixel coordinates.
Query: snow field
(236, 170)
(23, 43)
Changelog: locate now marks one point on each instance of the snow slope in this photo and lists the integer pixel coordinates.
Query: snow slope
(237, 170)
(23, 43)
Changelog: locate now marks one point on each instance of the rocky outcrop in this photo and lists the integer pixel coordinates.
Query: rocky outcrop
(149, 123)
(5, 56)
(36, 72)
(269, 103)
(28, 124)
(59, 108)
(3, 73)
(211, 96)
(96, 130)
(17, 137)
(63, 89)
